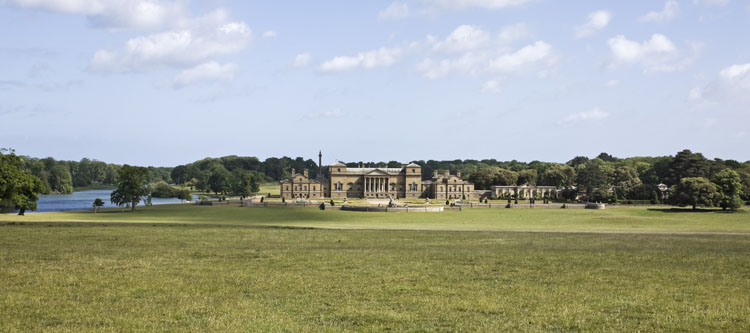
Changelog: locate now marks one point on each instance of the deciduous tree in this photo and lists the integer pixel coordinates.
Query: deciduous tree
(697, 191)
(132, 186)
(730, 187)
(18, 187)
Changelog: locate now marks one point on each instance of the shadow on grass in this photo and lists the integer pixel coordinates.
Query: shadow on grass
(698, 210)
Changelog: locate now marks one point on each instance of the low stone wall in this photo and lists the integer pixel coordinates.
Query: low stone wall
(504, 205)
(435, 209)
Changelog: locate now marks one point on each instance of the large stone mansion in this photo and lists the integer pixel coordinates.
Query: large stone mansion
(360, 182)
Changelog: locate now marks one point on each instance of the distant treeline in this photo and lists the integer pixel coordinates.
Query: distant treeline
(63, 176)
(633, 178)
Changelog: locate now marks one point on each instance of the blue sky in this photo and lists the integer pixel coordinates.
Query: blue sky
(159, 82)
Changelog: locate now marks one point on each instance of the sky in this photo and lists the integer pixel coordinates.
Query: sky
(168, 82)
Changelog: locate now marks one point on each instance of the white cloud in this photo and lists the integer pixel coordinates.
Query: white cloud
(591, 115)
(612, 83)
(656, 54)
(483, 4)
(474, 51)
(737, 78)
(710, 3)
(176, 47)
(463, 38)
(512, 33)
(598, 20)
(730, 90)
(269, 34)
(539, 55)
(381, 57)
(337, 113)
(302, 60)
(528, 56)
(210, 71)
(112, 13)
(695, 94)
(397, 10)
(671, 8)
(492, 86)
(468, 64)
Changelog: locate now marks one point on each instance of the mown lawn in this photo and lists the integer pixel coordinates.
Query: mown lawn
(636, 220)
(160, 277)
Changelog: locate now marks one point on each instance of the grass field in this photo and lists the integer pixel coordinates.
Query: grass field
(211, 268)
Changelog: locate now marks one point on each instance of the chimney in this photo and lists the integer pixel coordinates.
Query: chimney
(293, 173)
(305, 173)
(434, 173)
(458, 173)
(446, 173)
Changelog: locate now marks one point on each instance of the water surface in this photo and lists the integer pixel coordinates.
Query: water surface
(85, 200)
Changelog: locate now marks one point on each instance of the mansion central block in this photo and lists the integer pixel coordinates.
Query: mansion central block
(371, 183)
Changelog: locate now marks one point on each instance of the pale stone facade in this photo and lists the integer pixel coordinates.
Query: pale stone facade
(525, 191)
(362, 182)
(300, 185)
(377, 183)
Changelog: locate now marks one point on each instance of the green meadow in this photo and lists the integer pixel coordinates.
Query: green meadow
(227, 268)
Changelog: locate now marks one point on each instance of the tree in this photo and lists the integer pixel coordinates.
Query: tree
(60, 180)
(184, 195)
(242, 183)
(132, 186)
(591, 176)
(654, 198)
(686, 164)
(625, 180)
(163, 190)
(730, 187)
(97, 203)
(696, 191)
(745, 179)
(180, 174)
(18, 187)
(218, 181)
(527, 177)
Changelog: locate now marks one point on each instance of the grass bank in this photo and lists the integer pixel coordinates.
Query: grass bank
(203, 278)
(624, 219)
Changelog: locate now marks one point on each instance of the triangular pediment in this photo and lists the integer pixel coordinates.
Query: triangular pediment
(377, 172)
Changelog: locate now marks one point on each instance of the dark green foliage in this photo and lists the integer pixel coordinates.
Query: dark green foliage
(243, 183)
(528, 176)
(730, 186)
(18, 187)
(184, 195)
(592, 176)
(60, 180)
(697, 191)
(132, 186)
(97, 203)
(655, 198)
(164, 190)
(686, 164)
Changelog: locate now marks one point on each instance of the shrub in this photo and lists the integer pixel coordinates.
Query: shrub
(163, 190)
(654, 198)
(331, 202)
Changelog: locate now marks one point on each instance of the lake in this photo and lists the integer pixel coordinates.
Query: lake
(85, 199)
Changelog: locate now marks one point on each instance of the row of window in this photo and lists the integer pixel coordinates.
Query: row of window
(301, 188)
